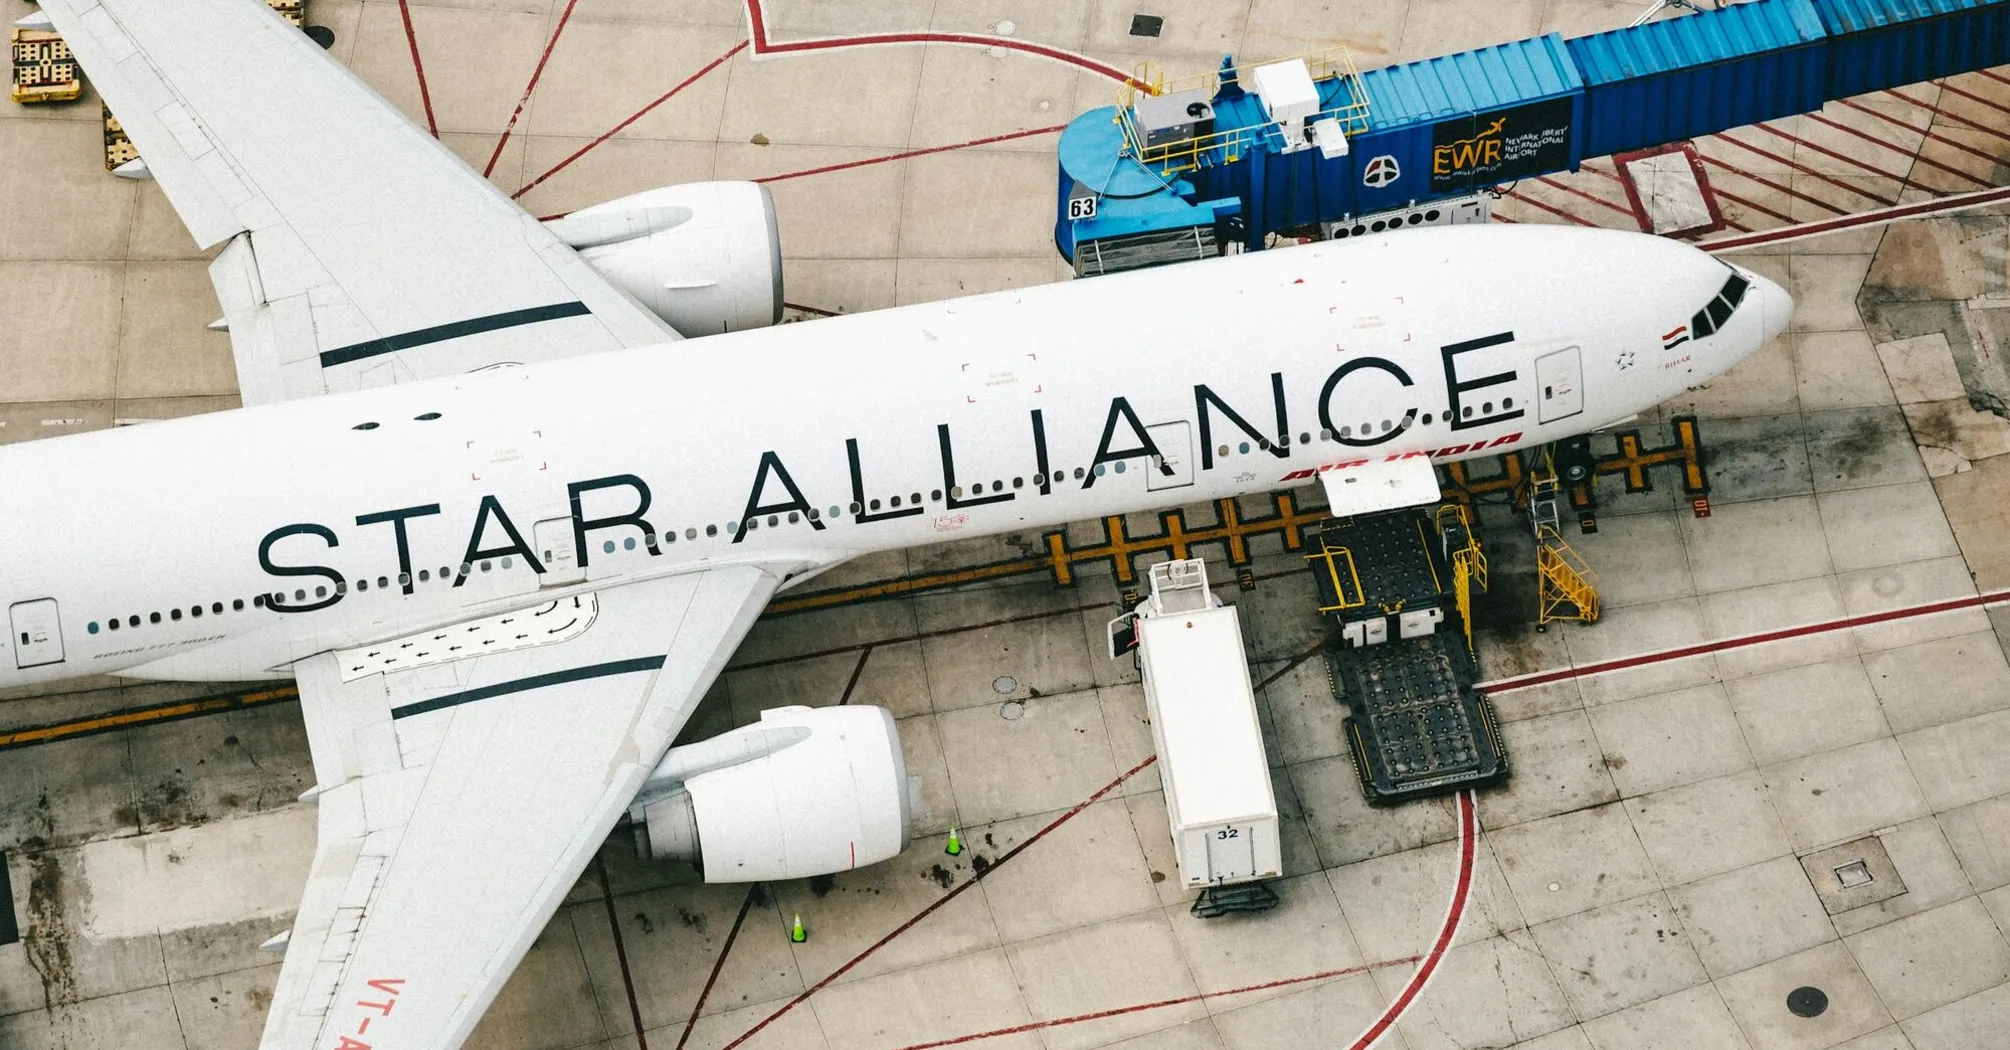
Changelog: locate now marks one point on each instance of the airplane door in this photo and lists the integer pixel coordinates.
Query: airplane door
(553, 540)
(1561, 379)
(38, 633)
(1175, 443)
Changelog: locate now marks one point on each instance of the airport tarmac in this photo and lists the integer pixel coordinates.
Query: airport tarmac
(1662, 870)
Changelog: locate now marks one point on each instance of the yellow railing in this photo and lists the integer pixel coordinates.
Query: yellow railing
(1469, 564)
(1334, 557)
(1567, 587)
(1188, 154)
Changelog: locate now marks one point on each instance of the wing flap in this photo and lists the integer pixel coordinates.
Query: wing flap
(471, 795)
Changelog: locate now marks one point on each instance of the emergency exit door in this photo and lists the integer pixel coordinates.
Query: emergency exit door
(1175, 445)
(556, 552)
(1231, 853)
(1560, 379)
(38, 633)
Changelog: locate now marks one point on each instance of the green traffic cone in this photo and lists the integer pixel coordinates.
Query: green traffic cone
(954, 847)
(797, 934)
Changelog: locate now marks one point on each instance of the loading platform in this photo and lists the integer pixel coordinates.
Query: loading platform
(1392, 582)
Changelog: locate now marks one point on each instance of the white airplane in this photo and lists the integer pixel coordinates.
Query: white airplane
(505, 530)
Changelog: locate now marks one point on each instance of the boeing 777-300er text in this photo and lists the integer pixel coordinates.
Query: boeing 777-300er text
(505, 529)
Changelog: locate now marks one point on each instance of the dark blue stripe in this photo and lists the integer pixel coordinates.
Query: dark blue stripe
(577, 674)
(10, 928)
(342, 355)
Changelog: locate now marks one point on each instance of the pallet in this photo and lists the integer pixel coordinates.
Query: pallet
(44, 68)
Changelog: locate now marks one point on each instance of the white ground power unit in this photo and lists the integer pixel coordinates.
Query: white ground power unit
(1203, 713)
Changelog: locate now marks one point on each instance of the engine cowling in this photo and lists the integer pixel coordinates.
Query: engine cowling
(804, 791)
(705, 256)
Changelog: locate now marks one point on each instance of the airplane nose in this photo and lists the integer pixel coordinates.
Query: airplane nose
(1776, 307)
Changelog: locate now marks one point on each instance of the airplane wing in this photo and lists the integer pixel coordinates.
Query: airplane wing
(1384, 485)
(461, 797)
(362, 252)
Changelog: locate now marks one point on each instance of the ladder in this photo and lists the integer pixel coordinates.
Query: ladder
(1566, 588)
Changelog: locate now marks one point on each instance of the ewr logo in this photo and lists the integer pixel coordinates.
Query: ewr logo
(1380, 171)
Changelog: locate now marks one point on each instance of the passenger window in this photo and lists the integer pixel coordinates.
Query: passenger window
(237, 605)
(363, 584)
(711, 530)
(383, 581)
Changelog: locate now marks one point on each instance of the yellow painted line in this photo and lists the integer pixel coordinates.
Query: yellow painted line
(143, 716)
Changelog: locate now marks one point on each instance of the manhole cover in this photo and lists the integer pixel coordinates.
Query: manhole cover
(1807, 1001)
(1011, 710)
(1146, 25)
(1004, 685)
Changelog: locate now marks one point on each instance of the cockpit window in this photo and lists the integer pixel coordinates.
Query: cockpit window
(1734, 290)
(1712, 317)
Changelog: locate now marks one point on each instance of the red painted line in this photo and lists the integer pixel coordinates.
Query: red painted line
(1532, 202)
(852, 683)
(1461, 891)
(1900, 150)
(1972, 97)
(418, 68)
(1593, 198)
(1997, 77)
(637, 115)
(1753, 205)
(1949, 204)
(1503, 218)
(1120, 1011)
(924, 913)
(1824, 176)
(1763, 181)
(1296, 661)
(1949, 115)
(922, 152)
(1927, 131)
(1623, 663)
(621, 952)
(1845, 158)
(1613, 175)
(757, 31)
(524, 99)
(718, 964)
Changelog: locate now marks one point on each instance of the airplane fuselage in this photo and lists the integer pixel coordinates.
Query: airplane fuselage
(229, 546)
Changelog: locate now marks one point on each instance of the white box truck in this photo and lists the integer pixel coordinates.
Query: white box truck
(1210, 746)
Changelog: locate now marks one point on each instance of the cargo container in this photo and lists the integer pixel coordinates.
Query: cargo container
(1189, 652)
(1700, 73)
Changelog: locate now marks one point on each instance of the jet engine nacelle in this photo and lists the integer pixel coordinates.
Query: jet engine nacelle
(705, 256)
(804, 791)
